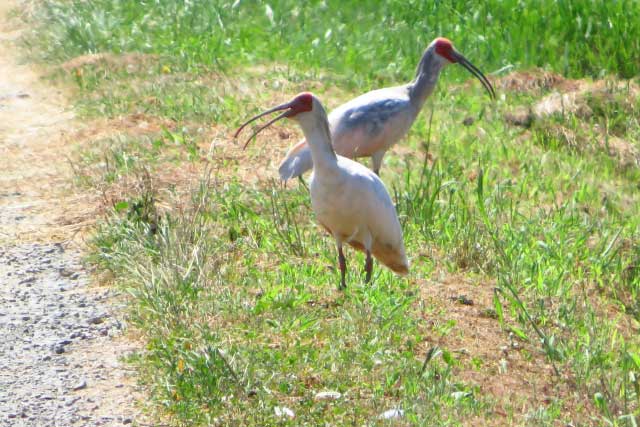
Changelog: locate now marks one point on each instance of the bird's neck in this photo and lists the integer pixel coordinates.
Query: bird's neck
(426, 78)
(318, 137)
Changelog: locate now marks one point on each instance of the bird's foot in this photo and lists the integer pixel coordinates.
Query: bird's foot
(368, 268)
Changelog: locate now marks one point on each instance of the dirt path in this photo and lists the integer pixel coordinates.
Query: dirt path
(60, 334)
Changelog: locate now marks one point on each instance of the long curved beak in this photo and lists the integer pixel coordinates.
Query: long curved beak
(476, 72)
(281, 107)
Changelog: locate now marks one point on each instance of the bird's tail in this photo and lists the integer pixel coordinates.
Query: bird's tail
(297, 161)
(393, 257)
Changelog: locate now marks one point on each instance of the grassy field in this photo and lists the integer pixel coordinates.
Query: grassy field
(523, 302)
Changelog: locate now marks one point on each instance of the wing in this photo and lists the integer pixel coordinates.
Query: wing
(297, 161)
(371, 122)
(361, 127)
(380, 216)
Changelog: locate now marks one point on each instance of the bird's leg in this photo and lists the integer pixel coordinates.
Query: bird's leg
(376, 161)
(301, 180)
(368, 267)
(343, 267)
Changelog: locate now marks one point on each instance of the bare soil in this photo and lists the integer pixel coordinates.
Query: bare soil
(62, 335)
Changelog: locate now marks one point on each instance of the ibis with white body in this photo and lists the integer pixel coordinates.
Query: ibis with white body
(370, 124)
(349, 200)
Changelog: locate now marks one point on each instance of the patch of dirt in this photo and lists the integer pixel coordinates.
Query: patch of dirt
(623, 150)
(520, 116)
(580, 101)
(535, 82)
(259, 161)
(513, 372)
(561, 103)
(580, 98)
(137, 124)
(62, 337)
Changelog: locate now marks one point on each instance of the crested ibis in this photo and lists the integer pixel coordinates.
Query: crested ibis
(349, 200)
(370, 124)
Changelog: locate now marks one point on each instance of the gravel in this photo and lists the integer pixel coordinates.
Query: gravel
(51, 323)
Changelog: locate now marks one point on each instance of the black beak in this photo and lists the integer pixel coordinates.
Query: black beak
(476, 72)
(285, 106)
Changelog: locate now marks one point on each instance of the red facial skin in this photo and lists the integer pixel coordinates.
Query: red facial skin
(301, 103)
(444, 48)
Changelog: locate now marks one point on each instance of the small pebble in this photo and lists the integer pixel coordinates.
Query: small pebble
(80, 386)
(459, 395)
(71, 401)
(283, 412)
(391, 414)
(96, 320)
(328, 395)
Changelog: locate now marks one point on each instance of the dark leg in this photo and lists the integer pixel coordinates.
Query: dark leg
(343, 267)
(301, 180)
(368, 267)
(376, 162)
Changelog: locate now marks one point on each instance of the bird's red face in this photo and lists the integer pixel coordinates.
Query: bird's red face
(302, 103)
(445, 49)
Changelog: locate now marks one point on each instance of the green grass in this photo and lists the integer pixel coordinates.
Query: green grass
(356, 40)
(232, 286)
(247, 326)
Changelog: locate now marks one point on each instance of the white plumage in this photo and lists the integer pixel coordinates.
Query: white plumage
(349, 200)
(367, 126)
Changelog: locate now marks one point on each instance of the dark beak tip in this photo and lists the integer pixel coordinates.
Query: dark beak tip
(477, 73)
(237, 132)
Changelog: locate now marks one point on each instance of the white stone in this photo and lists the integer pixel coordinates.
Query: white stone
(283, 412)
(391, 414)
(328, 395)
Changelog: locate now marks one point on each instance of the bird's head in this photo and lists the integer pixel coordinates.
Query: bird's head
(302, 108)
(443, 50)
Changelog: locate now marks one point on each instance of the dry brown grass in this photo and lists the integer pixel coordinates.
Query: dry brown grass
(131, 61)
(515, 373)
(535, 82)
(574, 98)
(134, 125)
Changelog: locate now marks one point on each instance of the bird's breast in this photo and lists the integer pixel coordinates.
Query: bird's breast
(335, 203)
